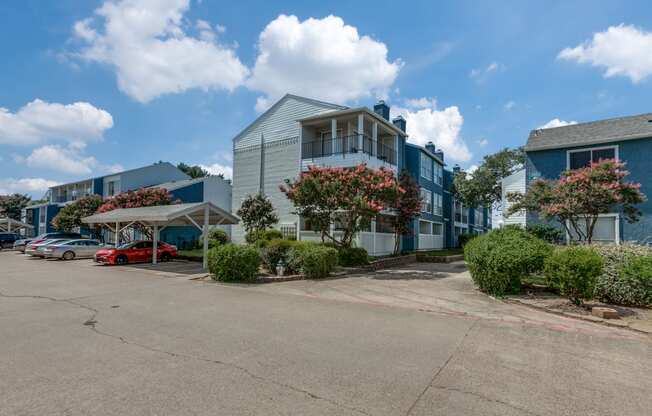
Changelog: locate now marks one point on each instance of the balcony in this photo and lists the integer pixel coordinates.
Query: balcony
(348, 145)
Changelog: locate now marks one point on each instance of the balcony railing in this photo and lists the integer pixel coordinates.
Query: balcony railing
(348, 144)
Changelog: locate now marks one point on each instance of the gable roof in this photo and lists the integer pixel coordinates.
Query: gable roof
(273, 108)
(595, 132)
(426, 151)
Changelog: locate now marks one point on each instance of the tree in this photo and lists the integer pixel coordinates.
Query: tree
(194, 171)
(483, 186)
(257, 213)
(71, 215)
(407, 206)
(144, 197)
(350, 197)
(580, 196)
(12, 205)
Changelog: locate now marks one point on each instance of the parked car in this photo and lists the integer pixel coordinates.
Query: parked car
(22, 244)
(7, 240)
(70, 249)
(32, 248)
(135, 252)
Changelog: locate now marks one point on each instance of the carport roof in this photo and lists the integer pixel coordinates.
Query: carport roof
(6, 222)
(176, 214)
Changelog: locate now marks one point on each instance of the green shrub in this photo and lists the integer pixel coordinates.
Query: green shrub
(312, 260)
(352, 256)
(266, 235)
(216, 237)
(499, 259)
(637, 274)
(233, 263)
(615, 285)
(274, 251)
(574, 271)
(546, 232)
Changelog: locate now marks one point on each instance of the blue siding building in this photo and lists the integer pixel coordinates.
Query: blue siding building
(628, 139)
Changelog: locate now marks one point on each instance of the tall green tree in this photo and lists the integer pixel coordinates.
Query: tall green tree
(70, 216)
(11, 205)
(194, 171)
(483, 187)
(257, 213)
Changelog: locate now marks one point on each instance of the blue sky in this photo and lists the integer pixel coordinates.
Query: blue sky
(90, 87)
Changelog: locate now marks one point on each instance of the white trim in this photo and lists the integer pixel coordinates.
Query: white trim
(590, 149)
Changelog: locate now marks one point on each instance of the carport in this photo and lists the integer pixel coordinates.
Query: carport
(159, 217)
(10, 224)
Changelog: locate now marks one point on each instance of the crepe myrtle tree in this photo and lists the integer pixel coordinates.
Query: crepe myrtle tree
(144, 197)
(580, 196)
(70, 217)
(350, 197)
(406, 204)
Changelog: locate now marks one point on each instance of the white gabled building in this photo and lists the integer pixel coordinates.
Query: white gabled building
(297, 132)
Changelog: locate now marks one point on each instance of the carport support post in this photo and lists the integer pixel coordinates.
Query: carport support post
(117, 234)
(205, 235)
(154, 243)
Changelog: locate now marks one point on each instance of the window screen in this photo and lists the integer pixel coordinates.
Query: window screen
(603, 154)
(580, 159)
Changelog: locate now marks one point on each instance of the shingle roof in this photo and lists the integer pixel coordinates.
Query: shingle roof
(595, 132)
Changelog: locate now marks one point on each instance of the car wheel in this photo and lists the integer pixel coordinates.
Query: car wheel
(165, 257)
(121, 260)
(68, 255)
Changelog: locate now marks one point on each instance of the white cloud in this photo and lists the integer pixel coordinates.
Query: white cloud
(483, 142)
(472, 169)
(482, 74)
(622, 50)
(25, 185)
(40, 121)
(509, 105)
(68, 160)
(217, 168)
(427, 123)
(147, 44)
(555, 122)
(320, 58)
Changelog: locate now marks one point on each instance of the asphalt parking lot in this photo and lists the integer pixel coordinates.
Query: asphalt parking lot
(80, 339)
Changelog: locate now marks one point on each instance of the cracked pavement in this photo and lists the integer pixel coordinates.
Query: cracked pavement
(78, 339)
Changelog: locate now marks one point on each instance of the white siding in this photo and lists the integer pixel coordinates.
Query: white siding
(280, 122)
(513, 183)
(280, 130)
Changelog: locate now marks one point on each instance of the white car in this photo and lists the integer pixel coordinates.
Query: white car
(71, 249)
(32, 248)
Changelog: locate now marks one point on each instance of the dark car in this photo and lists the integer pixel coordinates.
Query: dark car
(20, 244)
(7, 240)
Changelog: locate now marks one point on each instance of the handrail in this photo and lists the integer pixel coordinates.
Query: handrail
(347, 145)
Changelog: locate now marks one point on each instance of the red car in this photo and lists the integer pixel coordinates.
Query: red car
(135, 252)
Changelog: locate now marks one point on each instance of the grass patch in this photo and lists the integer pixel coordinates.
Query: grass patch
(440, 253)
(196, 252)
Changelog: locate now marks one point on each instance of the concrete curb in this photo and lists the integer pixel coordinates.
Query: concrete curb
(424, 258)
(587, 318)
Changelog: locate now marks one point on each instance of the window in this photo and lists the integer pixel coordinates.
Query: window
(41, 212)
(426, 166)
(385, 224)
(425, 227)
(439, 174)
(582, 158)
(426, 200)
(437, 229)
(438, 208)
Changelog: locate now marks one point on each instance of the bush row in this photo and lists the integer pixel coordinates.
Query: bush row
(618, 274)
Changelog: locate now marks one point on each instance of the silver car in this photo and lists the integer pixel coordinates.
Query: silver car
(32, 248)
(72, 249)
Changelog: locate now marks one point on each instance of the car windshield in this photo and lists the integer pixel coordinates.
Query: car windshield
(127, 245)
(53, 241)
